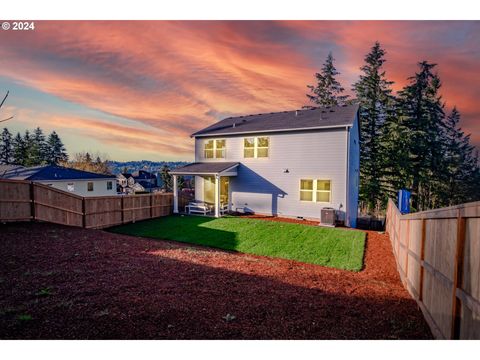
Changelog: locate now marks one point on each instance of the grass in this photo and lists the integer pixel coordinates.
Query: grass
(333, 247)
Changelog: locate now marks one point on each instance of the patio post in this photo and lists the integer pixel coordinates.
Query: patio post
(217, 196)
(175, 195)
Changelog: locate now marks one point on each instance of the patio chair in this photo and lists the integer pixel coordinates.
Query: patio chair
(198, 207)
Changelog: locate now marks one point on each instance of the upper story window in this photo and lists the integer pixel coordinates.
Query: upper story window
(315, 190)
(214, 149)
(256, 147)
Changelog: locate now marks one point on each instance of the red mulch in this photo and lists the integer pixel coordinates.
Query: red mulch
(58, 282)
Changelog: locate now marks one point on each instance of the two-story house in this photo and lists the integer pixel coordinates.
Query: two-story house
(291, 163)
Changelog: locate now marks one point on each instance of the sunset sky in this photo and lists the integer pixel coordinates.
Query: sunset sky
(137, 89)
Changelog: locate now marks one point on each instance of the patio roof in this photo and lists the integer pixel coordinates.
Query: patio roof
(206, 168)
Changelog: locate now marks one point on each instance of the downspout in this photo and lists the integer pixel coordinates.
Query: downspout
(347, 177)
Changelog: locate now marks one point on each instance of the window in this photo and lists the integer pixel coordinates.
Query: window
(306, 190)
(315, 190)
(109, 185)
(90, 186)
(255, 147)
(323, 191)
(71, 187)
(208, 154)
(249, 147)
(214, 149)
(220, 149)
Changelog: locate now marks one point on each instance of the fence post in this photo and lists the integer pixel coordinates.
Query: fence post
(457, 276)
(122, 211)
(406, 251)
(84, 214)
(151, 205)
(422, 258)
(32, 200)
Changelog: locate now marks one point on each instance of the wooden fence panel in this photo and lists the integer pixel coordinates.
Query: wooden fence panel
(437, 254)
(15, 203)
(57, 206)
(24, 200)
(103, 212)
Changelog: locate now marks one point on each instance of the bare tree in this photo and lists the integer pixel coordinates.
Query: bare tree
(1, 104)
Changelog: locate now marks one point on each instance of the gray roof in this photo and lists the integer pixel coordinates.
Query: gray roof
(315, 118)
(52, 172)
(204, 168)
(6, 168)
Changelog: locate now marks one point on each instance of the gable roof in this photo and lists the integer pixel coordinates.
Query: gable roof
(52, 172)
(204, 168)
(308, 119)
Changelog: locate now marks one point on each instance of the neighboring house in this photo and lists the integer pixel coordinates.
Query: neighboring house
(125, 183)
(5, 168)
(78, 182)
(291, 163)
(142, 181)
(147, 180)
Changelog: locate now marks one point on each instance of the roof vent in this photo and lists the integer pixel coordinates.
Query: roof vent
(296, 112)
(233, 125)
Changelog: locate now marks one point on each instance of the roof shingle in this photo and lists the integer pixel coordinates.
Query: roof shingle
(335, 116)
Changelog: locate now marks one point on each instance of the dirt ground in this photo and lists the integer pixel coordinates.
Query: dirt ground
(58, 282)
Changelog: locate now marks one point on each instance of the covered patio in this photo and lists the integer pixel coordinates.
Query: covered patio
(212, 186)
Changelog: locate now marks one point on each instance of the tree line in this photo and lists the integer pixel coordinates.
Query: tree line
(408, 141)
(32, 148)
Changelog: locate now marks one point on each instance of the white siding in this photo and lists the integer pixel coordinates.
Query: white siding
(263, 186)
(80, 186)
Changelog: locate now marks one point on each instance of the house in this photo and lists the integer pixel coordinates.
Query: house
(147, 180)
(78, 182)
(290, 163)
(140, 182)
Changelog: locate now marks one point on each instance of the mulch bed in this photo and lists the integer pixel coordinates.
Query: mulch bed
(58, 282)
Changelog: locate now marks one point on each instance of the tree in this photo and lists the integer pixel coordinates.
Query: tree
(20, 151)
(166, 178)
(461, 164)
(377, 104)
(55, 151)
(327, 91)
(6, 147)
(421, 114)
(38, 148)
(83, 161)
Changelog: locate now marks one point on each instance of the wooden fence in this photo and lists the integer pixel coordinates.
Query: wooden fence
(25, 200)
(438, 259)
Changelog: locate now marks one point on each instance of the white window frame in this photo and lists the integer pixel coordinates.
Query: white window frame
(256, 147)
(314, 190)
(214, 149)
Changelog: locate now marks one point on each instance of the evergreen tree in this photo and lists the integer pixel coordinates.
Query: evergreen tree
(55, 151)
(166, 178)
(461, 164)
(421, 114)
(327, 91)
(374, 95)
(20, 151)
(38, 148)
(6, 147)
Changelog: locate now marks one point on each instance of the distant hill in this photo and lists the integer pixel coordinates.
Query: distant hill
(118, 167)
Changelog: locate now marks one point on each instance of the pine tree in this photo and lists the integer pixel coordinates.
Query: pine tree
(166, 178)
(55, 152)
(461, 163)
(327, 91)
(38, 148)
(374, 95)
(20, 151)
(421, 114)
(6, 147)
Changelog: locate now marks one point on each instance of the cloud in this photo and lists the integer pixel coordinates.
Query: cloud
(177, 77)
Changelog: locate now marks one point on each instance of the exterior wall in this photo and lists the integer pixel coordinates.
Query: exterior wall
(80, 186)
(263, 185)
(353, 174)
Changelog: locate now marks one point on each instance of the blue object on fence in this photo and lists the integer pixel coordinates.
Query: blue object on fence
(404, 201)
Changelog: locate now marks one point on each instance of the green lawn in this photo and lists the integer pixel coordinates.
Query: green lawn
(331, 247)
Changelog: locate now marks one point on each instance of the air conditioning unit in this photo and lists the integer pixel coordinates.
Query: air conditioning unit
(328, 217)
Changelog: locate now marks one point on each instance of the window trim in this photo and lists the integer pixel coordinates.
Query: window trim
(314, 190)
(109, 185)
(214, 149)
(256, 147)
(88, 187)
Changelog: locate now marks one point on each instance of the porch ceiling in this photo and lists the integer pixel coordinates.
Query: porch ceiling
(207, 168)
